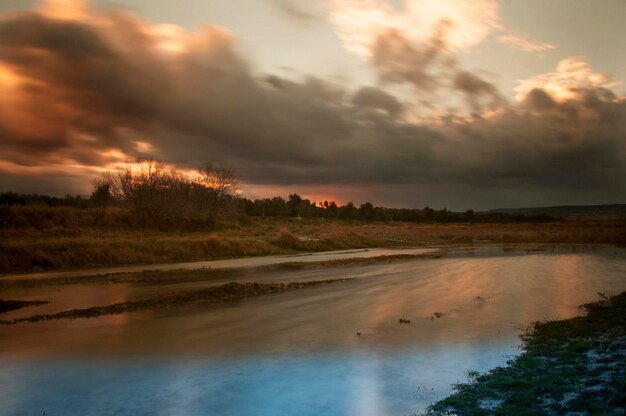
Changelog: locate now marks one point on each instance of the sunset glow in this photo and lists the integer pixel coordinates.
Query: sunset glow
(8, 79)
(64, 9)
(169, 38)
(360, 23)
(399, 94)
(572, 75)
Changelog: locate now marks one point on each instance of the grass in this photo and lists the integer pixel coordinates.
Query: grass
(228, 292)
(575, 366)
(73, 246)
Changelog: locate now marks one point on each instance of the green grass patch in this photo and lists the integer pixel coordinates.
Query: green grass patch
(574, 366)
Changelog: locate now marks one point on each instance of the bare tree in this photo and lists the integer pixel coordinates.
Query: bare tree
(162, 195)
(221, 179)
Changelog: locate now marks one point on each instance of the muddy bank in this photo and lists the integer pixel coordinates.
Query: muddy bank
(574, 366)
(213, 295)
(355, 261)
(10, 305)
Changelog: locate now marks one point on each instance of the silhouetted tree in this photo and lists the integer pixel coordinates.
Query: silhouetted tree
(293, 203)
(165, 196)
(101, 196)
(347, 212)
(366, 211)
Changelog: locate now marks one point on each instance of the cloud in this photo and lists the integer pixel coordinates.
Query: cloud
(400, 61)
(435, 75)
(359, 24)
(546, 144)
(572, 76)
(374, 98)
(478, 93)
(101, 80)
(82, 95)
(524, 43)
(289, 9)
(63, 9)
(418, 45)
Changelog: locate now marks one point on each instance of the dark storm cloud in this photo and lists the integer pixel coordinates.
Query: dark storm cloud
(74, 82)
(578, 143)
(369, 97)
(478, 93)
(431, 70)
(88, 90)
(540, 100)
(399, 60)
(48, 183)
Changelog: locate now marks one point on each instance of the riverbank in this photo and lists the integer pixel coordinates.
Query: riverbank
(59, 248)
(574, 366)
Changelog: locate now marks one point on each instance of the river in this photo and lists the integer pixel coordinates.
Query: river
(297, 353)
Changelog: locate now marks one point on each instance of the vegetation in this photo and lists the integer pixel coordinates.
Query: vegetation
(165, 197)
(188, 205)
(295, 206)
(576, 213)
(149, 212)
(574, 366)
(70, 244)
(151, 194)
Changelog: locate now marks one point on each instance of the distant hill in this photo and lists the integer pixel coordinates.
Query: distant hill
(572, 212)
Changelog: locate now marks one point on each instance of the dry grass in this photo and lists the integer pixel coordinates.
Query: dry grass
(27, 249)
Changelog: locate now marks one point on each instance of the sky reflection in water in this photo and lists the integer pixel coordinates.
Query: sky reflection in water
(298, 353)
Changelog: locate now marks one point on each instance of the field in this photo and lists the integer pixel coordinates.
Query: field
(58, 245)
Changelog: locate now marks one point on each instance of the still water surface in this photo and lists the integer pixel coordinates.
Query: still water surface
(297, 353)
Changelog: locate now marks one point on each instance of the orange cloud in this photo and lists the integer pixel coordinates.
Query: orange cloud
(571, 77)
(88, 93)
(63, 9)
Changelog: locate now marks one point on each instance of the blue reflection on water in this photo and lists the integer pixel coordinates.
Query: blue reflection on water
(393, 383)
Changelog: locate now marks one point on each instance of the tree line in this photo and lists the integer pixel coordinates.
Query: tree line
(295, 206)
(163, 196)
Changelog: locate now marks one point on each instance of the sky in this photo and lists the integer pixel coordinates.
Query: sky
(407, 103)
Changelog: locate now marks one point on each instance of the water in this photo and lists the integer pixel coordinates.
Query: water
(297, 353)
(228, 263)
